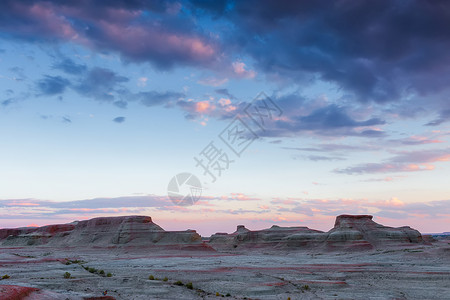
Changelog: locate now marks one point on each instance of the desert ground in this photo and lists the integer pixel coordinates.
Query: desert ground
(421, 272)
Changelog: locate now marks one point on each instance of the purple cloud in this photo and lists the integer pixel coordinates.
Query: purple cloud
(403, 162)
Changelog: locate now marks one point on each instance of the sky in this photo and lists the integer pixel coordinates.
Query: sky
(287, 112)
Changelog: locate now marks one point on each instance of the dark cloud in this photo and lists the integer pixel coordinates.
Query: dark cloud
(328, 120)
(101, 84)
(225, 93)
(7, 102)
(374, 49)
(333, 116)
(52, 85)
(154, 98)
(70, 67)
(119, 120)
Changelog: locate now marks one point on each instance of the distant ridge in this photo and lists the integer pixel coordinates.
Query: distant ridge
(350, 232)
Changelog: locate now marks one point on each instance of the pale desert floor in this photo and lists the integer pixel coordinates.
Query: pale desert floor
(422, 272)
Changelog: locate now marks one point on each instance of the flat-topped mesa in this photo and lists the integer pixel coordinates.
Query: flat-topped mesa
(103, 231)
(360, 231)
(352, 220)
(102, 221)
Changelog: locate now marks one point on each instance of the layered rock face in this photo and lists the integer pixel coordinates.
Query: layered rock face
(275, 236)
(362, 232)
(108, 231)
(349, 233)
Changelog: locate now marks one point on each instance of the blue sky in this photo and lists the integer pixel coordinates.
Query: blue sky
(103, 102)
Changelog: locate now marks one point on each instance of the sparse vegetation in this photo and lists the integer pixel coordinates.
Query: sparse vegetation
(101, 272)
(109, 275)
(6, 276)
(165, 279)
(228, 295)
(179, 283)
(189, 285)
(151, 277)
(92, 270)
(76, 261)
(67, 275)
(305, 287)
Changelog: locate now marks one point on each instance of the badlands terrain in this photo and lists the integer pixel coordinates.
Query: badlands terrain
(133, 258)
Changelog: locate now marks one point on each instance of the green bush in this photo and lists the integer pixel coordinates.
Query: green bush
(5, 276)
(189, 285)
(109, 275)
(151, 277)
(305, 287)
(92, 270)
(165, 279)
(67, 275)
(179, 283)
(101, 272)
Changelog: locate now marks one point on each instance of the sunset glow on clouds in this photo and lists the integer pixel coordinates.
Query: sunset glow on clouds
(103, 102)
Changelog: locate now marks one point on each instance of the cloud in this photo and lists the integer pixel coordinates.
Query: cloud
(225, 93)
(323, 158)
(321, 119)
(154, 98)
(367, 48)
(70, 67)
(160, 33)
(101, 84)
(443, 117)
(403, 162)
(213, 81)
(119, 120)
(52, 85)
(239, 69)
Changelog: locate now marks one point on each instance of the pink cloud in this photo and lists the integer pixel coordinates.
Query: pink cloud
(240, 70)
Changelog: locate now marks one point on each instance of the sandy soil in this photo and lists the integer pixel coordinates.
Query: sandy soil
(422, 272)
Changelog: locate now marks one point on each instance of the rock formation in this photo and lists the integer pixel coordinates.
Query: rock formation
(107, 231)
(349, 233)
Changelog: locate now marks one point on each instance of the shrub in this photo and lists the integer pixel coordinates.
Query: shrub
(109, 275)
(179, 283)
(5, 276)
(228, 295)
(165, 279)
(92, 270)
(101, 272)
(67, 275)
(151, 277)
(189, 285)
(217, 294)
(305, 287)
